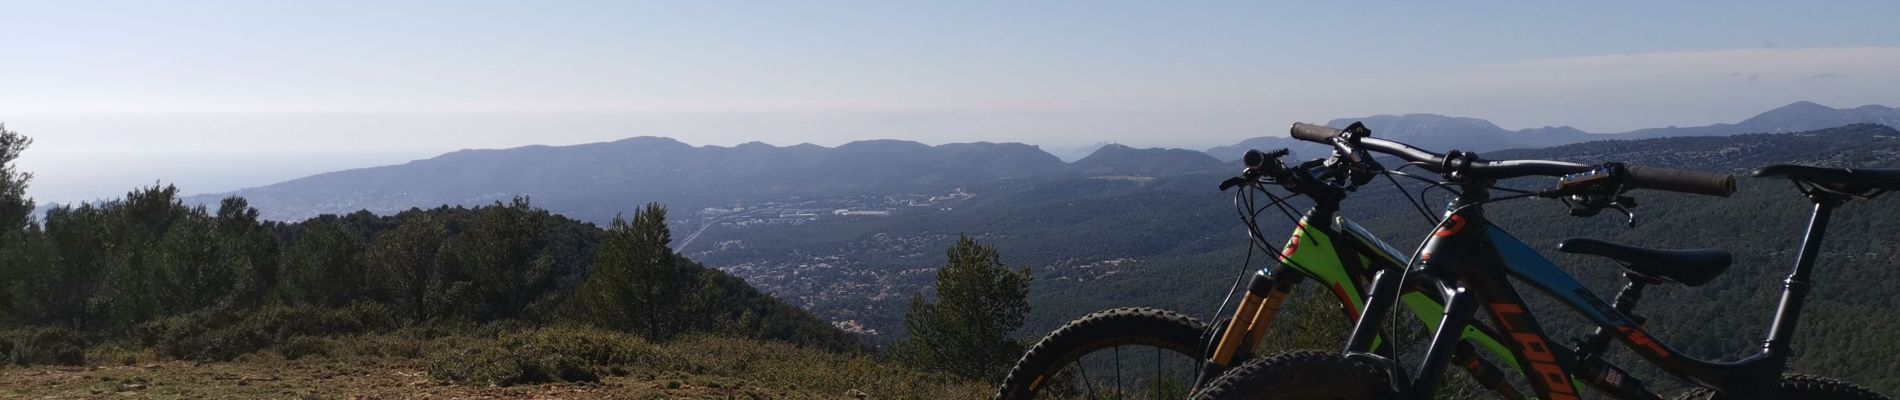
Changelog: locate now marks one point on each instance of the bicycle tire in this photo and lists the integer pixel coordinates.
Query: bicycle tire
(1097, 331)
(1300, 374)
(1804, 387)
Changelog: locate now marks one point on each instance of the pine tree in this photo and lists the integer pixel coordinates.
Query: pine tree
(321, 267)
(500, 261)
(402, 261)
(16, 210)
(637, 284)
(980, 302)
(248, 249)
(17, 266)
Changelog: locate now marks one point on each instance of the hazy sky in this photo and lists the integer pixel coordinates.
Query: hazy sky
(221, 95)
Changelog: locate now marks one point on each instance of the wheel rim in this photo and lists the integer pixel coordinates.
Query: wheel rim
(1122, 371)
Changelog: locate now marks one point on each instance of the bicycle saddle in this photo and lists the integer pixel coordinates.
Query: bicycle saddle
(1850, 180)
(1687, 267)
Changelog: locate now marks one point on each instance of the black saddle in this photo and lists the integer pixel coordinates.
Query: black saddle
(1845, 180)
(1687, 267)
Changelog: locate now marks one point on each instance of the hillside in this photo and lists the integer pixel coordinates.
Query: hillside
(151, 273)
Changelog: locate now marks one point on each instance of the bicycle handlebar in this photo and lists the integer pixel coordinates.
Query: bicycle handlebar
(1461, 166)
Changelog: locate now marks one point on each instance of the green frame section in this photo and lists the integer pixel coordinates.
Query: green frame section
(1315, 252)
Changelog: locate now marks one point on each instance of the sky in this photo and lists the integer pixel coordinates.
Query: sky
(216, 96)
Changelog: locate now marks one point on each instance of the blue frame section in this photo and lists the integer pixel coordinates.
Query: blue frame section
(1527, 265)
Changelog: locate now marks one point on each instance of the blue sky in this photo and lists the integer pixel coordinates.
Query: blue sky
(221, 95)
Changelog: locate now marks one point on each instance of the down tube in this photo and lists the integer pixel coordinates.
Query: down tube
(1525, 264)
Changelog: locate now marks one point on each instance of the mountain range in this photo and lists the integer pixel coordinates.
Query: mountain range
(1433, 131)
(599, 180)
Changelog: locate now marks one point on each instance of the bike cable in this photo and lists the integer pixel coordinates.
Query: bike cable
(1244, 202)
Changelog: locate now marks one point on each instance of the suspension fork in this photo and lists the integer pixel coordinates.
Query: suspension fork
(1447, 344)
(1250, 321)
(1383, 294)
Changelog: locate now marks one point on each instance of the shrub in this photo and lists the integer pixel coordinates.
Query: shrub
(40, 345)
(222, 335)
(543, 355)
(120, 353)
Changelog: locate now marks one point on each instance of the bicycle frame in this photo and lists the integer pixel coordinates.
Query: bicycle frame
(1342, 257)
(1468, 260)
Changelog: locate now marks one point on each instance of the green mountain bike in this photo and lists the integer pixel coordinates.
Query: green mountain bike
(1153, 353)
(1470, 262)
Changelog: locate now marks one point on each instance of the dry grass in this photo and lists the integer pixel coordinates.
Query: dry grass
(395, 366)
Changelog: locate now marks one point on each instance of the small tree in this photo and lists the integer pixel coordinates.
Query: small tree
(402, 261)
(637, 285)
(249, 249)
(16, 214)
(979, 302)
(321, 267)
(16, 210)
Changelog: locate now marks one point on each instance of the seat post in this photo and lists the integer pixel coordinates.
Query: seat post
(1626, 304)
(1795, 289)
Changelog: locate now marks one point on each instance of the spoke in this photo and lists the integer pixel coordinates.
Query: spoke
(1081, 364)
(1157, 378)
(1119, 392)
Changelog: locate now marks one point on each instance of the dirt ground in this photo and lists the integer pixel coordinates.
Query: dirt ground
(338, 379)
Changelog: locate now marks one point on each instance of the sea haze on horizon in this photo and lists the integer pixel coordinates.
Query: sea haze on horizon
(95, 176)
(217, 96)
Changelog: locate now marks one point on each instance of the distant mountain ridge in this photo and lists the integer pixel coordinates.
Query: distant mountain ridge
(1115, 159)
(1441, 132)
(599, 180)
(596, 181)
(1795, 117)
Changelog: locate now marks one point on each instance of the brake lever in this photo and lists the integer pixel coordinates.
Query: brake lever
(1586, 205)
(1630, 215)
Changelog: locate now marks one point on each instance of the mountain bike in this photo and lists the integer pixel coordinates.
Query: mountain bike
(1469, 261)
(1331, 250)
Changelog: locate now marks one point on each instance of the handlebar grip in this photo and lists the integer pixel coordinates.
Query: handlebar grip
(1678, 180)
(1314, 133)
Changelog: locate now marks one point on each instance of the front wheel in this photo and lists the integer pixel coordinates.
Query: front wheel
(1116, 353)
(1302, 375)
(1803, 387)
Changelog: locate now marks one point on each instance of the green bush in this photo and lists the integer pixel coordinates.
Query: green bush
(120, 353)
(553, 354)
(222, 335)
(37, 346)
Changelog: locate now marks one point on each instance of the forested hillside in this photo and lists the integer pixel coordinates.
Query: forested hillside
(193, 283)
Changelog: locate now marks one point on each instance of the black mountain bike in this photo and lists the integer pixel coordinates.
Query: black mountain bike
(1153, 353)
(1469, 261)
